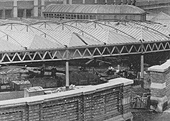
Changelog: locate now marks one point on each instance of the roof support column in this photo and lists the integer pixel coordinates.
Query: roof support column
(84, 1)
(67, 74)
(35, 8)
(129, 2)
(142, 66)
(142, 62)
(121, 2)
(133, 2)
(64, 1)
(15, 9)
(70, 2)
(95, 1)
(3, 13)
(114, 2)
(67, 69)
(25, 13)
(42, 7)
(105, 1)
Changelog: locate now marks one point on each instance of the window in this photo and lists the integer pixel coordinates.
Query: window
(86, 17)
(92, 17)
(55, 15)
(72, 17)
(50, 15)
(78, 16)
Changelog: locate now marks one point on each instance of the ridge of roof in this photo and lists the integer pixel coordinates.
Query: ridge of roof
(104, 9)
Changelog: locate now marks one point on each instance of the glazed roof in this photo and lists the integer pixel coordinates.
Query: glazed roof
(100, 9)
(44, 35)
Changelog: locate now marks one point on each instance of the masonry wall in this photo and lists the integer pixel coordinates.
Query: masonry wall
(160, 85)
(77, 105)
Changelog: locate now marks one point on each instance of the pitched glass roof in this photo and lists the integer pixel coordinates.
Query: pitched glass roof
(49, 35)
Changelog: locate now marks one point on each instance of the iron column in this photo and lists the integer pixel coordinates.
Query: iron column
(142, 60)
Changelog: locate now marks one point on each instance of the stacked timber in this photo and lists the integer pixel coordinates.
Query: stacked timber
(160, 84)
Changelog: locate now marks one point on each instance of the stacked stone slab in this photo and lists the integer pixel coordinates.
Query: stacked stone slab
(160, 84)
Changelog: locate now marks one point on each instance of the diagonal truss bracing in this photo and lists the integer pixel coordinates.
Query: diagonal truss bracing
(82, 52)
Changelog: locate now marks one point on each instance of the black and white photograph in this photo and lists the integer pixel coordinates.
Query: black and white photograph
(84, 60)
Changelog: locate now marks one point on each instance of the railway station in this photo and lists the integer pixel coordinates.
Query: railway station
(63, 61)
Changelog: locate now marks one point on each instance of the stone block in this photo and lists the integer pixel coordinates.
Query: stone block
(33, 91)
(157, 77)
(160, 103)
(158, 92)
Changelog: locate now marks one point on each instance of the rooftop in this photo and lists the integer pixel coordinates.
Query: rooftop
(100, 9)
(43, 35)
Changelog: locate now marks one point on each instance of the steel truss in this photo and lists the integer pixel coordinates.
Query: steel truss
(68, 53)
(82, 52)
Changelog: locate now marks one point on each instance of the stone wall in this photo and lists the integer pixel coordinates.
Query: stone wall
(160, 84)
(101, 102)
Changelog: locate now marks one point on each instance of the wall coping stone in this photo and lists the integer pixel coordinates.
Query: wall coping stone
(60, 95)
(160, 68)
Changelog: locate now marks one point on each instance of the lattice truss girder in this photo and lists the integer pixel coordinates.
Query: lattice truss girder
(79, 53)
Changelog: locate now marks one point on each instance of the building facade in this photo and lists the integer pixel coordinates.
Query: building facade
(34, 8)
(95, 12)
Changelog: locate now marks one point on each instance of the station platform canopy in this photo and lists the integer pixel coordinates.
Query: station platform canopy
(41, 40)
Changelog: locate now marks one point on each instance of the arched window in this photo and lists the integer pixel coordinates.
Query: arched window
(55, 15)
(78, 16)
(81, 16)
(75, 17)
(50, 15)
(86, 17)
